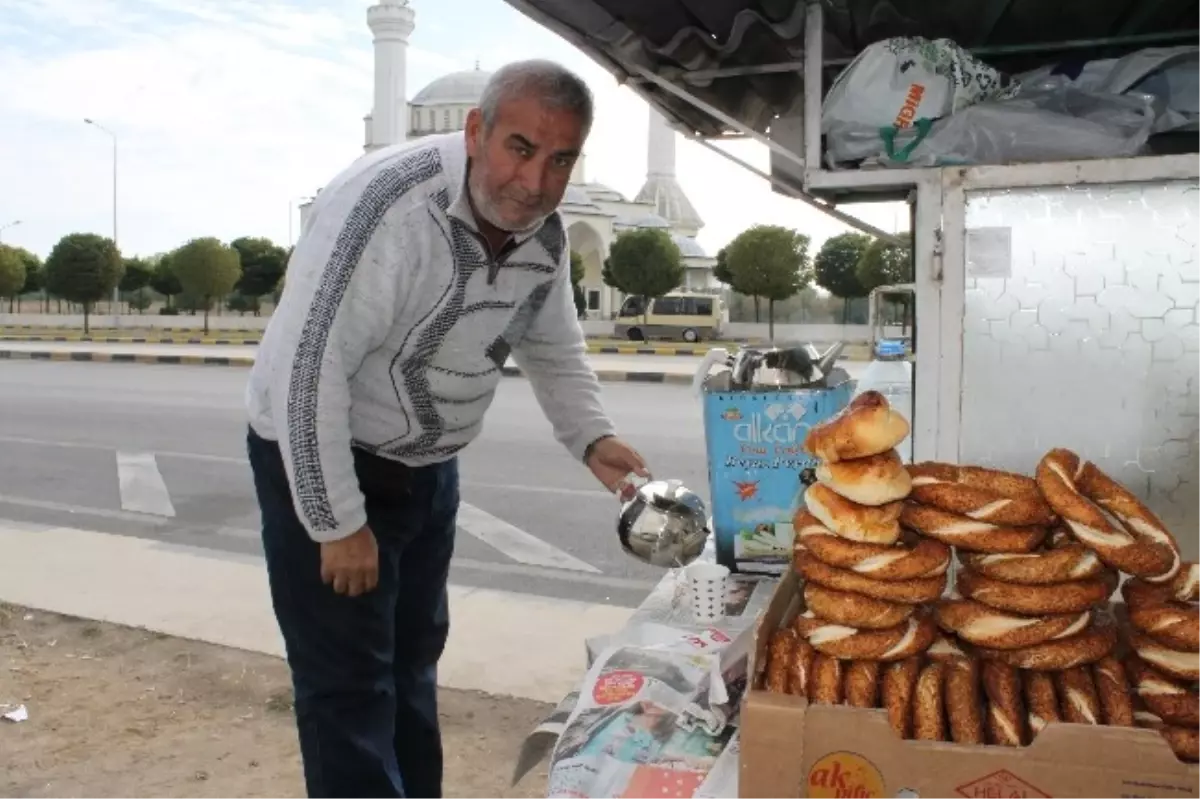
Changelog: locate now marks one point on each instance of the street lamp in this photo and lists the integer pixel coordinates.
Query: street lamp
(116, 298)
(13, 223)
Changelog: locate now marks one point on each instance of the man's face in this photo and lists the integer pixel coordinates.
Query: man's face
(521, 167)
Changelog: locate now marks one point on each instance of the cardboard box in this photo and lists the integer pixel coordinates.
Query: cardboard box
(790, 748)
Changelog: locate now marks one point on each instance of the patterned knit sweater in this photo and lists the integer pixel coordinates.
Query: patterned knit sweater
(394, 325)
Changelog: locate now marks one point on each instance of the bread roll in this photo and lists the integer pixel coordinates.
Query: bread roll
(867, 426)
(875, 525)
(875, 480)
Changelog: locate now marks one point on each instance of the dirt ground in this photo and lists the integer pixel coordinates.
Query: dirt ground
(116, 711)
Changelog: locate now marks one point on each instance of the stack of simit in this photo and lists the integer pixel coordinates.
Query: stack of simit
(1163, 630)
(1026, 604)
(866, 584)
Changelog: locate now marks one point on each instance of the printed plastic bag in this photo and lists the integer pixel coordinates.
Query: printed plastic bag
(895, 82)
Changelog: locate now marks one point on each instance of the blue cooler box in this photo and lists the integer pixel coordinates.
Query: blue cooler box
(755, 459)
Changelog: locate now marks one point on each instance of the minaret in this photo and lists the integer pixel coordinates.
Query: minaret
(579, 171)
(661, 187)
(660, 150)
(392, 23)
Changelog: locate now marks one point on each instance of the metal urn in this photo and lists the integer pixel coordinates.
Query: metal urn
(663, 523)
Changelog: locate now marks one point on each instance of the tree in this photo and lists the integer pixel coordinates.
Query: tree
(721, 270)
(207, 270)
(644, 263)
(770, 262)
(139, 300)
(835, 267)
(884, 264)
(138, 273)
(12, 274)
(83, 268)
(33, 275)
(240, 303)
(164, 280)
(263, 265)
(578, 270)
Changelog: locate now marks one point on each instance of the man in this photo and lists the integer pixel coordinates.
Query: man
(423, 267)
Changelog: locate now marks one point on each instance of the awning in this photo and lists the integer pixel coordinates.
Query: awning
(744, 57)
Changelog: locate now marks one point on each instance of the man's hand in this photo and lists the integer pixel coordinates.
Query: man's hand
(611, 459)
(351, 565)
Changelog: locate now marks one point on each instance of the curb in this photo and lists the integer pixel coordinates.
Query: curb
(125, 357)
(593, 349)
(250, 330)
(604, 375)
(132, 340)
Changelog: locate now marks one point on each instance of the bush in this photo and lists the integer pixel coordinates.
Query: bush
(168, 311)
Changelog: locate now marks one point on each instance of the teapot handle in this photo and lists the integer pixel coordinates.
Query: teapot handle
(712, 357)
(627, 487)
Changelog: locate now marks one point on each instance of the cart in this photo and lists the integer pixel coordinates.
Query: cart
(1055, 303)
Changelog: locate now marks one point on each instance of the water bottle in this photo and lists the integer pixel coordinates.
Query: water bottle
(891, 374)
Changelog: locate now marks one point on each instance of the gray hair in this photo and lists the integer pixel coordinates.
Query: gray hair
(552, 84)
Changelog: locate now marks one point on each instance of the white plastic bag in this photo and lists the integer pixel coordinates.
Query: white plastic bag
(895, 82)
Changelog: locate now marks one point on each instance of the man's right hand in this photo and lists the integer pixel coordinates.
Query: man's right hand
(351, 565)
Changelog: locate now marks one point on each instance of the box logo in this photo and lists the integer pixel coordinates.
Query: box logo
(776, 424)
(844, 774)
(999, 784)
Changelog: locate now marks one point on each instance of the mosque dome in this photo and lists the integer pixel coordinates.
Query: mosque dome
(644, 220)
(457, 88)
(688, 246)
(577, 195)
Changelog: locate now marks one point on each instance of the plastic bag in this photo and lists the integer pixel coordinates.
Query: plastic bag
(895, 82)
(1170, 75)
(1056, 124)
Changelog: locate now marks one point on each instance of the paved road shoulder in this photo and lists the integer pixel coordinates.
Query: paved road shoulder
(223, 599)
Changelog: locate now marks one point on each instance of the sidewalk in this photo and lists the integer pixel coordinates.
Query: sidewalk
(609, 367)
(219, 598)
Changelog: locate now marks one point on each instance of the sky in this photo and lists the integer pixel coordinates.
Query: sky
(228, 112)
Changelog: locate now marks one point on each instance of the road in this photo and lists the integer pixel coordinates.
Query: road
(158, 452)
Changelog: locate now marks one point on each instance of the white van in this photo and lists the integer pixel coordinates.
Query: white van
(679, 315)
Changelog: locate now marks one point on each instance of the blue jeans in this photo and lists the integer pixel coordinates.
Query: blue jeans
(364, 668)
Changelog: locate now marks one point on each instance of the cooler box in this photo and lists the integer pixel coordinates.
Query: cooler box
(756, 458)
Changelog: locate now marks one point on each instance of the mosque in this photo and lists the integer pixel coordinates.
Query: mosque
(594, 213)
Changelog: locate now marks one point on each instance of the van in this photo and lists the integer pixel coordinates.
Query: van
(691, 317)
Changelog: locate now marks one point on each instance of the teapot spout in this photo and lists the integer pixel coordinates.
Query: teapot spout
(829, 358)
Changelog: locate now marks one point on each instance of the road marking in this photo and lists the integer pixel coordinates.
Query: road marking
(84, 510)
(595, 493)
(189, 536)
(142, 486)
(515, 542)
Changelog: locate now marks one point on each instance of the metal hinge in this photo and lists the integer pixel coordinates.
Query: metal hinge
(939, 250)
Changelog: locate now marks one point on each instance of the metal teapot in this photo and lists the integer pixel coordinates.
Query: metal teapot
(662, 522)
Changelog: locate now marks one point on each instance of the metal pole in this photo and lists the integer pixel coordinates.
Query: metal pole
(814, 28)
(116, 295)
